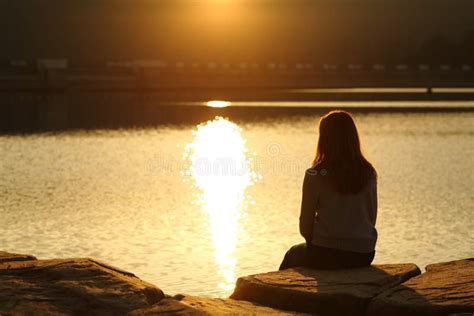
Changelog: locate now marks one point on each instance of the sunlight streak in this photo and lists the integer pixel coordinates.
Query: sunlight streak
(222, 173)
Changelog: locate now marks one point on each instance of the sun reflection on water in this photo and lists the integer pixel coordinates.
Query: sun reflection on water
(218, 104)
(222, 173)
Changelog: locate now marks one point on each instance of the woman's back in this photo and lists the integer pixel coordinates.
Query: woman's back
(343, 221)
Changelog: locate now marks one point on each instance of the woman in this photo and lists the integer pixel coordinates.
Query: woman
(339, 204)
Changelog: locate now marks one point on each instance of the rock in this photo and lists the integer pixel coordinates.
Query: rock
(446, 288)
(167, 306)
(328, 292)
(193, 305)
(71, 286)
(8, 257)
(29, 286)
(230, 306)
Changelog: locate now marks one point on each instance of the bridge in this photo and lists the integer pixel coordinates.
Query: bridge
(59, 75)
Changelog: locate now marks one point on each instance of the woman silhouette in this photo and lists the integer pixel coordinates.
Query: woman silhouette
(339, 203)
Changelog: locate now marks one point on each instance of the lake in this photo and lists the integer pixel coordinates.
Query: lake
(190, 208)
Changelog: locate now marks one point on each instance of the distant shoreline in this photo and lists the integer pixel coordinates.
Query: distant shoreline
(32, 113)
(194, 94)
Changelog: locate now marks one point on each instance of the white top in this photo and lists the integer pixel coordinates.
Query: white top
(334, 220)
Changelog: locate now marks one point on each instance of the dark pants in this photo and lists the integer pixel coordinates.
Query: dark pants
(317, 257)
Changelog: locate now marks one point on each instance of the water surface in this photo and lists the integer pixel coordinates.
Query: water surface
(191, 208)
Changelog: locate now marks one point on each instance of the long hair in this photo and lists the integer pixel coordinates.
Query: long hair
(339, 154)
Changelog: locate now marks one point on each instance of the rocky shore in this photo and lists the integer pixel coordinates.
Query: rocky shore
(85, 286)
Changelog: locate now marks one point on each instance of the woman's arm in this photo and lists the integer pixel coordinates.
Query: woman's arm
(308, 204)
(375, 201)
